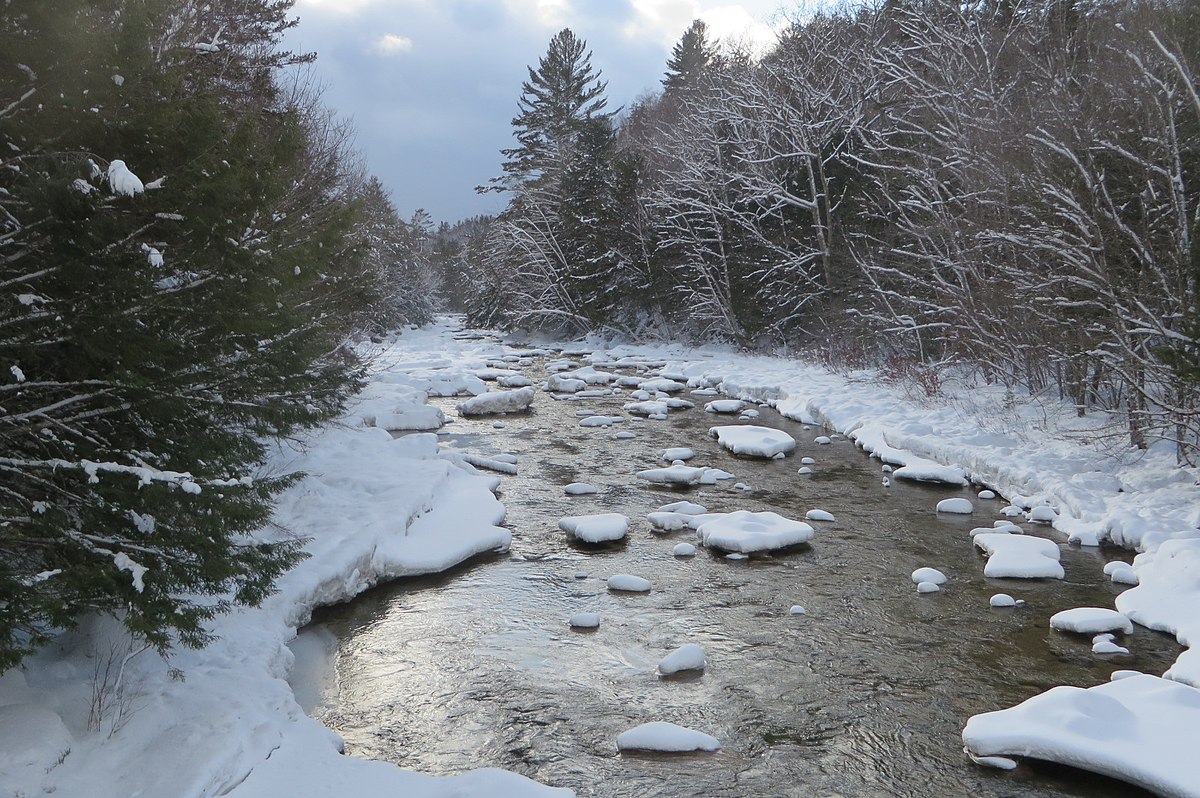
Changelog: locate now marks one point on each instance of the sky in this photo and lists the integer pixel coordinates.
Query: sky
(431, 86)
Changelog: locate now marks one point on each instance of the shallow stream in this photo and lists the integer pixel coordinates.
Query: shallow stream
(865, 695)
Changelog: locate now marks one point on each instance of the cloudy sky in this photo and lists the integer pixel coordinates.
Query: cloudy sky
(432, 85)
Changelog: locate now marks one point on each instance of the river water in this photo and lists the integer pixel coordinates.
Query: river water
(865, 695)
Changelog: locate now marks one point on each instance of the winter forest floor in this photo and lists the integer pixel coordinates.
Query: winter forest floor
(92, 715)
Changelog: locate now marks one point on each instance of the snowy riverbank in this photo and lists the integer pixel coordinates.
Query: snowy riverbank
(223, 721)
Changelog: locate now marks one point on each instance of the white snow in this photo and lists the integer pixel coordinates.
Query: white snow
(927, 574)
(957, 506)
(986, 494)
(745, 532)
(807, 461)
(1002, 600)
(796, 609)
(628, 583)
(584, 620)
(688, 657)
(412, 417)
(684, 550)
(1090, 620)
(685, 507)
(667, 738)
(928, 587)
(597, 528)
(1121, 573)
(822, 440)
(725, 406)
(677, 453)
(580, 489)
(662, 384)
(1020, 556)
(678, 474)
(804, 471)
(1140, 729)
(1108, 647)
(497, 402)
(601, 421)
(819, 515)
(1042, 514)
(753, 440)
(122, 181)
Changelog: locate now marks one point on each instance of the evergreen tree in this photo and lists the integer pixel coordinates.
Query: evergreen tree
(559, 97)
(690, 58)
(157, 328)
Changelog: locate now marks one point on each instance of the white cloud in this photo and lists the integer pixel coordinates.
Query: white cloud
(666, 20)
(392, 44)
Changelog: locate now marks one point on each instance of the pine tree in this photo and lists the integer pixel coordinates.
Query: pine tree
(690, 58)
(559, 97)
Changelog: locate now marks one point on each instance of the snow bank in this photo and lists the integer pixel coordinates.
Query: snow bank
(1090, 620)
(1140, 729)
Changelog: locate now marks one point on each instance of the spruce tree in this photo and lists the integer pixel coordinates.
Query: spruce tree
(690, 58)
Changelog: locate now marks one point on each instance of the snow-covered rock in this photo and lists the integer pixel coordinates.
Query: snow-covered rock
(497, 402)
(746, 532)
(598, 528)
(688, 657)
(928, 587)
(667, 738)
(1122, 573)
(684, 550)
(957, 506)
(601, 421)
(678, 474)
(927, 574)
(585, 620)
(677, 453)
(819, 515)
(1020, 556)
(753, 440)
(408, 418)
(725, 406)
(580, 489)
(628, 583)
(1002, 600)
(1090, 620)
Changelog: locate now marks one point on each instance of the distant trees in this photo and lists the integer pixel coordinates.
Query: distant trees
(181, 278)
(1006, 187)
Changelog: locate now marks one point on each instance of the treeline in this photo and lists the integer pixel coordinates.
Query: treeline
(188, 248)
(1008, 186)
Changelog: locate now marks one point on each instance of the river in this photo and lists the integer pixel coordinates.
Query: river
(864, 695)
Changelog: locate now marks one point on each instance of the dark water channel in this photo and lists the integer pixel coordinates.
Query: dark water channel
(865, 695)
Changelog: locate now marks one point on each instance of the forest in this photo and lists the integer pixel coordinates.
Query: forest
(1006, 190)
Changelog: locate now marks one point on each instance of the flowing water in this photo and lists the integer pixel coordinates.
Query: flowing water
(865, 695)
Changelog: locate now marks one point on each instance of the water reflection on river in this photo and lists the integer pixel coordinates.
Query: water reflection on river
(865, 695)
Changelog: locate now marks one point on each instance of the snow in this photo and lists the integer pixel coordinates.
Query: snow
(822, 440)
(928, 587)
(663, 384)
(927, 574)
(957, 506)
(819, 515)
(601, 421)
(745, 532)
(1002, 600)
(1108, 647)
(667, 738)
(1042, 515)
(688, 657)
(677, 453)
(628, 583)
(580, 489)
(753, 440)
(725, 406)
(796, 609)
(123, 182)
(598, 528)
(804, 471)
(807, 461)
(1121, 573)
(685, 507)
(684, 550)
(1090, 620)
(986, 494)
(413, 417)
(497, 402)
(585, 620)
(1140, 729)
(1020, 556)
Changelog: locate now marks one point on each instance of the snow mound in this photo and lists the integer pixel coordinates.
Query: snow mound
(928, 587)
(958, 506)
(408, 418)
(647, 408)
(601, 421)
(745, 532)
(514, 381)
(668, 522)
(804, 471)
(497, 402)
(678, 474)
(32, 736)
(819, 515)
(1090, 620)
(1002, 600)
(753, 440)
(986, 494)
(1020, 556)
(725, 406)
(1140, 729)
(627, 583)
(598, 528)
(927, 574)
(580, 489)
(556, 383)
(807, 461)
(929, 471)
(689, 657)
(685, 507)
(796, 609)
(822, 440)
(662, 384)
(1121, 573)
(666, 737)
(677, 453)
(1042, 514)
